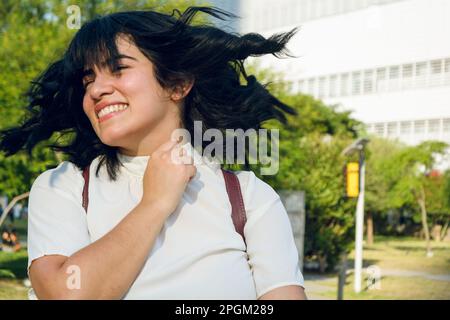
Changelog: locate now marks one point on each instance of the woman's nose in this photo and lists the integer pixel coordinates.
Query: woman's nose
(103, 85)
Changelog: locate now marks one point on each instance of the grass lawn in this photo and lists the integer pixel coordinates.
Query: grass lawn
(407, 254)
(404, 255)
(12, 273)
(12, 289)
(395, 288)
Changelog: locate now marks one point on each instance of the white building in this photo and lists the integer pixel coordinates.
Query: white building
(386, 60)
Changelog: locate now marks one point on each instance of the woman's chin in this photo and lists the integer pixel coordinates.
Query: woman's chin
(111, 139)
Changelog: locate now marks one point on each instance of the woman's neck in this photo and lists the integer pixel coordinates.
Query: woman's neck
(159, 134)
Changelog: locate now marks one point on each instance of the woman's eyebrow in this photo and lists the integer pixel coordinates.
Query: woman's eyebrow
(89, 72)
(124, 56)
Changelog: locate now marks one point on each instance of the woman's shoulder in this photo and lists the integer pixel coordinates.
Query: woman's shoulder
(255, 191)
(65, 177)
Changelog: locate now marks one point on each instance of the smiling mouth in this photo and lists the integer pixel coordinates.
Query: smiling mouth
(109, 110)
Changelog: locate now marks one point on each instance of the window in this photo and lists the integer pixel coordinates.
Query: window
(433, 126)
(333, 86)
(419, 127)
(327, 7)
(356, 83)
(344, 84)
(421, 74)
(446, 127)
(368, 81)
(352, 5)
(407, 71)
(394, 72)
(345, 6)
(322, 87)
(381, 80)
(276, 13)
(289, 86)
(447, 71)
(340, 6)
(320, 8)
(335, 4)
(304, 10)
(394, 77)
(312, 86)
(407, 76)
(379, 129)
(436, 73)
(313, 7)
(392, 129)
(292, 13)
(447, 65)
(436, 67)
(301, 85)
(405, 128)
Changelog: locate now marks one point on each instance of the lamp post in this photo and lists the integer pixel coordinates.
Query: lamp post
(359, 146)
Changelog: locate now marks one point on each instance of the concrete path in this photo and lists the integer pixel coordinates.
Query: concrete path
(315, 288)
(318, 285)
(408, 273)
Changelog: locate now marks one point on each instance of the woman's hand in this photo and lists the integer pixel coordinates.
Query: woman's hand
(168, 172)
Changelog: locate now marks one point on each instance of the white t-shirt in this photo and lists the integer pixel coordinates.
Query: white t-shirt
(197, 255)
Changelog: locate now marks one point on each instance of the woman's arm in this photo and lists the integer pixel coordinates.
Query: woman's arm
(285, 293)
(107, 267)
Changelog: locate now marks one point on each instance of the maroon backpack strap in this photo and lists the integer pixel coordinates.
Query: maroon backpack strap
(237, 202)
(86, 188)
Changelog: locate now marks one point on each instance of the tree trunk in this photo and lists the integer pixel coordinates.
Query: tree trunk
(436, 232)
(444, 231)
(11, 205)
(322, 263)
(369, 222)
(421, 200)
(342, 276)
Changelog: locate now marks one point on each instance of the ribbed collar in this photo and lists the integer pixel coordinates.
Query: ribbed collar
(136, 165)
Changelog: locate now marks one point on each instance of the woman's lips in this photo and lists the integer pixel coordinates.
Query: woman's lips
(111, 115)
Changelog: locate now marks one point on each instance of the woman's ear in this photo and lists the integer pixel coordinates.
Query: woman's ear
(181, 91)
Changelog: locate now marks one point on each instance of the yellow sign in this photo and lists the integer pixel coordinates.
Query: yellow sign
(352, 180)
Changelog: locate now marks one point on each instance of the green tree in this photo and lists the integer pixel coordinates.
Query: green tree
(436, 195)
(446, 198)
(412, 166)
(379, 179)
(311, 160)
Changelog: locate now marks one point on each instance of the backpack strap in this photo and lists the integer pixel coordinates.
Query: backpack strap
(238, 213)
(86, 188)
(234, 192)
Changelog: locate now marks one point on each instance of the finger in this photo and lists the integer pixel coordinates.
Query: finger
(185, 159)
(179, 156)
(167, 145)
(178, 150)
(176, 153)
(192, 171)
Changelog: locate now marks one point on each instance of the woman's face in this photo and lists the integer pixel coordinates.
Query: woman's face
(136, 105)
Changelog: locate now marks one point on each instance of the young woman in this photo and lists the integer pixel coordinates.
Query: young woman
(154, 228)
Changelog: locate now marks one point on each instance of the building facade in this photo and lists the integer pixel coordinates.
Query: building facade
(388, 61)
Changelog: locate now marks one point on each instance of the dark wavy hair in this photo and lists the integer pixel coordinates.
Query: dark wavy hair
(179, 51)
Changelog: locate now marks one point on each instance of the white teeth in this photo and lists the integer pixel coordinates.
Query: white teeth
(112, 108)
